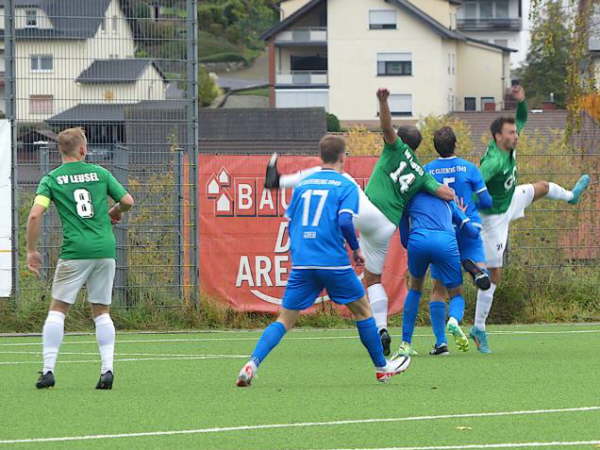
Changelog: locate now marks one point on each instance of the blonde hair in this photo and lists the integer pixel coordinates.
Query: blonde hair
(70, 140)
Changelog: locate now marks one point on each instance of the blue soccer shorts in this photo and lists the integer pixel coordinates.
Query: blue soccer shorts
(438, 249)
(305, 285)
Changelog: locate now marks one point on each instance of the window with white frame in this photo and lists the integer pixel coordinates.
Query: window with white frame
(41, 104)
(394, 64)
(401, 104)
(42, 63)
(490, 9)
(31, 18)
(382, 19)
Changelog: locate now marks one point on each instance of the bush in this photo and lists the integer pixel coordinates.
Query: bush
(208, 90)
(333, 123)
(223, 57)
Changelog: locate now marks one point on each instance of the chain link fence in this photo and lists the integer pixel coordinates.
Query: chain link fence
(126, 72)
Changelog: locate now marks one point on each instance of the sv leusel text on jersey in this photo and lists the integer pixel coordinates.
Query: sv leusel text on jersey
(80, 178)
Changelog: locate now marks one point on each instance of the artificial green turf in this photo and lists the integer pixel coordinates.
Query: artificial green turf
(314, 376)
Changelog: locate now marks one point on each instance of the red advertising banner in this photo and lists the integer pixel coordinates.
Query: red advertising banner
(243, 239)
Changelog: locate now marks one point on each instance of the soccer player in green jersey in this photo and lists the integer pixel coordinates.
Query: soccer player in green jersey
(499, 170)
(79, 192)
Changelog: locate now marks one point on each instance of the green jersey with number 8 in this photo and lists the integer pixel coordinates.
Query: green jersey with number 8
(79, 191)
(396, 178)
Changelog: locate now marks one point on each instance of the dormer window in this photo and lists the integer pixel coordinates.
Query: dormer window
(31, 18)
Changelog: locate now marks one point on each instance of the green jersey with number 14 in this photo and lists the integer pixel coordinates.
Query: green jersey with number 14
(79, 191)
(499, 169)
(396, 178)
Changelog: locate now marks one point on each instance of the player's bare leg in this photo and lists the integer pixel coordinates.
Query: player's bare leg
(105, 336)
(379, 305)
(552, 191)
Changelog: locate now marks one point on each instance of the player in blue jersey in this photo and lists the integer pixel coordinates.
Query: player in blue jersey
(427, 232)
(466, 180)
(320, 214)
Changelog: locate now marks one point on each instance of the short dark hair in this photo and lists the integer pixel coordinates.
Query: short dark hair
(410, 135)
(331, 148)
(444, 141)
(498, 124)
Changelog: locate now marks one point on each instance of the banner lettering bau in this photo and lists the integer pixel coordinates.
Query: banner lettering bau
(243, 239)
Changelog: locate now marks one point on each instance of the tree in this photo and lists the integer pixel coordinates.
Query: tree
(240, 21)
(208, 90)
(545, 71)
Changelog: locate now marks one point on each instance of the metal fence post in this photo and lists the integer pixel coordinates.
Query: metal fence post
(192, 136)
(11, 115)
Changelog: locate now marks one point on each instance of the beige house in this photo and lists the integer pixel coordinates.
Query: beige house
(336, 53)
(70, 52)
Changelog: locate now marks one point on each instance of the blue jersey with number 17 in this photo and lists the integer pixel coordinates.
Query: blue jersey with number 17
(462, 176)
(316, 238)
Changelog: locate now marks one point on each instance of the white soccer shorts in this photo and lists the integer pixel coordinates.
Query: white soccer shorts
(375, 233)
(495, 226)
(71, 274)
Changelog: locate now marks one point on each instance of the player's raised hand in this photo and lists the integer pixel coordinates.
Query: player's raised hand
(460, 202)
(359, 259)
(383, 94)
(518, 93)
(34, 262)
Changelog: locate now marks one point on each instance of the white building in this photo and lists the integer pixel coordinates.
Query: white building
(70, 52)
(336, 53)
(502, 22)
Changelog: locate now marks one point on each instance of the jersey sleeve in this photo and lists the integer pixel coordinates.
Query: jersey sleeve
(476, 180)
(43, 188)
(489, 168)
(430, 184)
(349, 200)
(115, 189)
(521, 115)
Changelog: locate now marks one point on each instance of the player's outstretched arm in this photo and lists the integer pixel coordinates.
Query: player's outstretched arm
(34, 224)
(347, 227)
(439, 190)
(521, 116)
(385, 117)
(463, 223)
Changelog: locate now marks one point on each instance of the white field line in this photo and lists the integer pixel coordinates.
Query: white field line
(177, 358)
(475, 446)
(288, 338)
(167, 355)
(298, 425)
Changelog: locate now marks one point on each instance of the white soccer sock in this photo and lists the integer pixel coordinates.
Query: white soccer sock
(379, 305)
(105, 336)
(556, 192)
(484, 304)
(52, 336)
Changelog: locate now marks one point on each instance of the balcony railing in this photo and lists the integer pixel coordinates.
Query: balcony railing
(507, 24)
(302, 78)
(304, 35)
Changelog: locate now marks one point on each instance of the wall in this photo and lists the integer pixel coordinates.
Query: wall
(480, 72)
(438, 9)
(290, 6)
(353, 52)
